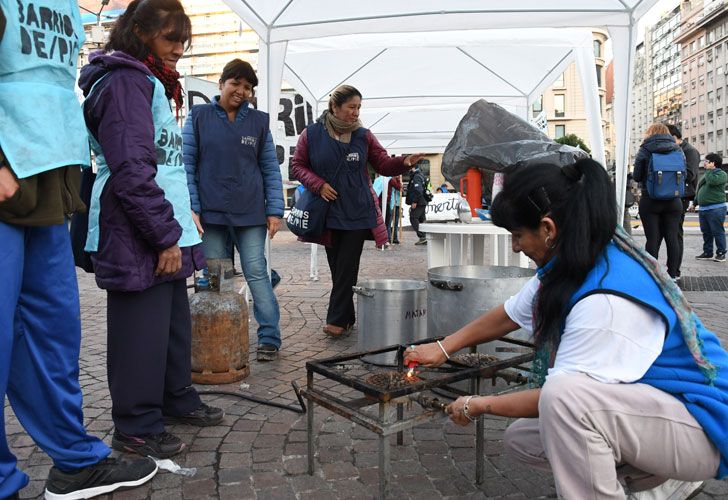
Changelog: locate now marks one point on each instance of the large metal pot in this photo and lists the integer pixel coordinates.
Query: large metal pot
(456, 295)
(390, 312)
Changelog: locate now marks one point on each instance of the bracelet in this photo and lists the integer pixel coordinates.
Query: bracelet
(466, 409)
(447, 356)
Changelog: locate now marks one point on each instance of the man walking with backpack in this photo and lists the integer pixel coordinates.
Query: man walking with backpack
(712, 208)
(660, 169)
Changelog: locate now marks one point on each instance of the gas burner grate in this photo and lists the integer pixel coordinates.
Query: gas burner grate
(474, 359)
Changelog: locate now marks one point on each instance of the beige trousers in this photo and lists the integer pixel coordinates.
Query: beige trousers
(593, 435)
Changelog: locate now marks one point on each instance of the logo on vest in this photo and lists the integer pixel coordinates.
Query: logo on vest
(47, 34)
(169, 149)
(249, 140)
(352, 157)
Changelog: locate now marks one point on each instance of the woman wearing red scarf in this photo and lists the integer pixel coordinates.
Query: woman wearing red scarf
(142, 239)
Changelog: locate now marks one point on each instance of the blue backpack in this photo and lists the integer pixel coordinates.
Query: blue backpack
(666, 175)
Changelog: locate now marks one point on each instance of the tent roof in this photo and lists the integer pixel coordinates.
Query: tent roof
(277, 20)
(416, 70)
(417, 86)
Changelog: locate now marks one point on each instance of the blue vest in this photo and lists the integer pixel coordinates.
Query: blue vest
(230, 181)
(354, 208)
(171, 176)
(42, 121)
(674, 371)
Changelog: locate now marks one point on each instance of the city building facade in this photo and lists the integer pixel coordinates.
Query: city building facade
(703, 43)
(564, 100)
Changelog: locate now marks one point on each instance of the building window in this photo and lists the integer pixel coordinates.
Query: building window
(702, 138)
(537, 105)
(702, 119)
(559, 105)
(599, 75)
(560, 131)
(597, 48)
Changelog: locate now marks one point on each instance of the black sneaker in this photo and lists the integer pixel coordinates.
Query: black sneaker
(719, 257)
(267, 352)
(106, 476)
(203, 416)
(704, 256)
(162, 445)
(421, 241)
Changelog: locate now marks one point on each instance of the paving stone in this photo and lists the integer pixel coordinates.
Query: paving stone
(339, 470)
(241, 475)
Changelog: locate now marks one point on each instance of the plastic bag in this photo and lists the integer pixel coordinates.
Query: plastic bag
(493, 139)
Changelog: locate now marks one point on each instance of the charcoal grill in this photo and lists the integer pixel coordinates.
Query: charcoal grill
(387, 391)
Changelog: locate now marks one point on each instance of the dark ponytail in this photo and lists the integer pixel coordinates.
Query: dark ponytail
(150, 17)
(580, 199)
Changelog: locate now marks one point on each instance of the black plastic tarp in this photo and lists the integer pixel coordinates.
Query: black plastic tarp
(492, 139)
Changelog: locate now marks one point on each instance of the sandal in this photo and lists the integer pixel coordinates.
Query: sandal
(335, 331)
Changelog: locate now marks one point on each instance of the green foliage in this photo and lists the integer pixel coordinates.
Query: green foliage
(574, 140)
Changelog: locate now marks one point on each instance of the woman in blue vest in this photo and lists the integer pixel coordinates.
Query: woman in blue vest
(235, 188)
(632, 388)
(143, 240)
(331, 160)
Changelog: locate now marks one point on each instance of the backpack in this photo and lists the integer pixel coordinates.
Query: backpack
(666, 175)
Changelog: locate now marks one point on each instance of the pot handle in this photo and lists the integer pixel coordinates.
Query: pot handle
(362, 291)
(447, 285)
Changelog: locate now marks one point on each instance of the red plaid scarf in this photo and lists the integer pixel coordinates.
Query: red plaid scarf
(168, 77)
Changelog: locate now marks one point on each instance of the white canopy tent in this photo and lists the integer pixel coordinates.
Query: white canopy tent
(418, 86)
(279, 22)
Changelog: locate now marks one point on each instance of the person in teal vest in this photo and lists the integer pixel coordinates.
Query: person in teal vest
(42, 143)
(142, 239)
(631, 390)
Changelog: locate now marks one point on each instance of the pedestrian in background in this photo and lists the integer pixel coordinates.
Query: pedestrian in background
(660, 217)
(711, 202)
(417, 201)
(692, 162)
(143, 240)
(43, 141)
(393, 208)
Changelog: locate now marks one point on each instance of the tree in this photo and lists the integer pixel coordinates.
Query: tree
(574, 140)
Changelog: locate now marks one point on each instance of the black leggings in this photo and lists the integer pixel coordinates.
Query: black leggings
(661, 220)
(344, 255)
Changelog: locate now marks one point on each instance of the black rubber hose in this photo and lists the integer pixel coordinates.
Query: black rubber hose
(296, 390)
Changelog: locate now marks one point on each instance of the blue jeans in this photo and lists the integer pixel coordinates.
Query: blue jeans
(40, 336)
(250, 241)
(711, 225)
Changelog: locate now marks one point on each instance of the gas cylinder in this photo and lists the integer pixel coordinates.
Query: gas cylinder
(471, 188)
(219, 328)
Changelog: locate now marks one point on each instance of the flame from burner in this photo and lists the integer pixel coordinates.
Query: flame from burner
(411, 374)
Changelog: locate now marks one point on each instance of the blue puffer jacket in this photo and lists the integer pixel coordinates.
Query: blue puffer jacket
(232, 169)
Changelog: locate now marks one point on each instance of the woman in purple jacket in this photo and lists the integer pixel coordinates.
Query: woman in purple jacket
(143, 241)
(330, 160)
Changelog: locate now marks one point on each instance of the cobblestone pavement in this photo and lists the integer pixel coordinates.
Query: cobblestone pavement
(260, 451)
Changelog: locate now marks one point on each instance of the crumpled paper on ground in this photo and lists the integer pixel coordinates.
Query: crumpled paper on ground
(169, 465)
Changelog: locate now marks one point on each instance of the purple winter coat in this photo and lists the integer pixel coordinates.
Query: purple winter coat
(136, 222)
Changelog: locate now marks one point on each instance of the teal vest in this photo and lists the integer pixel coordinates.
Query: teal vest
(171, 176)
(674, 371)
(42, 122)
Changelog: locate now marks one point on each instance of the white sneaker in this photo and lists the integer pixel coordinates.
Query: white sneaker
(672, 489)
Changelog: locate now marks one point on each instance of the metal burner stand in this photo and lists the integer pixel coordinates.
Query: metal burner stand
(383, 425)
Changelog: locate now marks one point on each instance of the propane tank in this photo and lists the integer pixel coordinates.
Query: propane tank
(219, 328)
